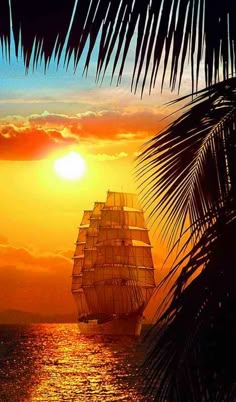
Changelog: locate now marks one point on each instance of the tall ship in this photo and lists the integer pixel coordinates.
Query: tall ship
(113, 272)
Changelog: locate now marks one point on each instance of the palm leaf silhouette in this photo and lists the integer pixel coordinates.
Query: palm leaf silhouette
(194, 175)
(189, 166)
(192, 359)
(5, 27)
(165, 35)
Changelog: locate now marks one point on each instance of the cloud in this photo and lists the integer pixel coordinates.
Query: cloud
(106, 157)
(35, 136)
(103, 124)
(34, 282)
(23, 257)
(28, 143)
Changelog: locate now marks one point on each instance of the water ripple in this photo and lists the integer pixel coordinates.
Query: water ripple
(53, 362)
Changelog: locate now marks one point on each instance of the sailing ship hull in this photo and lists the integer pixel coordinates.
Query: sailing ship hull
(117, 326)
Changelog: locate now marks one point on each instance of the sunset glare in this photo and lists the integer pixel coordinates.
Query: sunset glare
(70, 167)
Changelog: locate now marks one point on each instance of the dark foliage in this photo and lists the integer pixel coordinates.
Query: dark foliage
(191, 167)
(42, 25)
(173, 30)
(194, 358)
(5, 25)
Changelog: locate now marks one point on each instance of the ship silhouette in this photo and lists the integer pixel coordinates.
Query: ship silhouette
(113, 272)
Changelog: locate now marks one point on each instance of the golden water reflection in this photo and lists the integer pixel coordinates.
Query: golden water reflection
(68, 366)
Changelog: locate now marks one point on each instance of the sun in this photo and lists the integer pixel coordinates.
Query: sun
(70, 167)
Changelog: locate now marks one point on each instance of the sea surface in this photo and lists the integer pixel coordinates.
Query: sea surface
(53, 362)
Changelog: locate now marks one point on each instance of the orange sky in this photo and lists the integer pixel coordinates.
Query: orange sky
(41, 118)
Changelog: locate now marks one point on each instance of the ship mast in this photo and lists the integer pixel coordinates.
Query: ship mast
(123, 271)
(90, 256)
(76, 287)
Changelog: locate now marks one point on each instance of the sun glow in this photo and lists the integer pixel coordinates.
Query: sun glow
(70, 167)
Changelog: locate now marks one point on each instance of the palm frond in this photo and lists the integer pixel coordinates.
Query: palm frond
(41, 28)
(5, 28)
(172, 29)
(194, 350)
(165, 34)
(187, 167)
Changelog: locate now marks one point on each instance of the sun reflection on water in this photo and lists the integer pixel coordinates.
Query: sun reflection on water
(66, 366)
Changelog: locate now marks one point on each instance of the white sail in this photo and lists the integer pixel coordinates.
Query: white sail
(79, 249)
(132, 233)
(82, 234)
(118, 199)
(91, 241)
(124, 254)
(92, 299)
(123, 271)
(114, 298)
(76, 287)
(97, 209)
(76, 283)
(77, 267)
(142, 276)
(90, 254)
(81, 303)
(122, 218)
(113, 269)
(86, 217)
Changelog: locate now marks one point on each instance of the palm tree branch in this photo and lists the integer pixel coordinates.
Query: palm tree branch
(186, 165)
(150, 26)
(193, 304)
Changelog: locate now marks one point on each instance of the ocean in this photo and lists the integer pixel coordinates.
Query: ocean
(53, 362)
